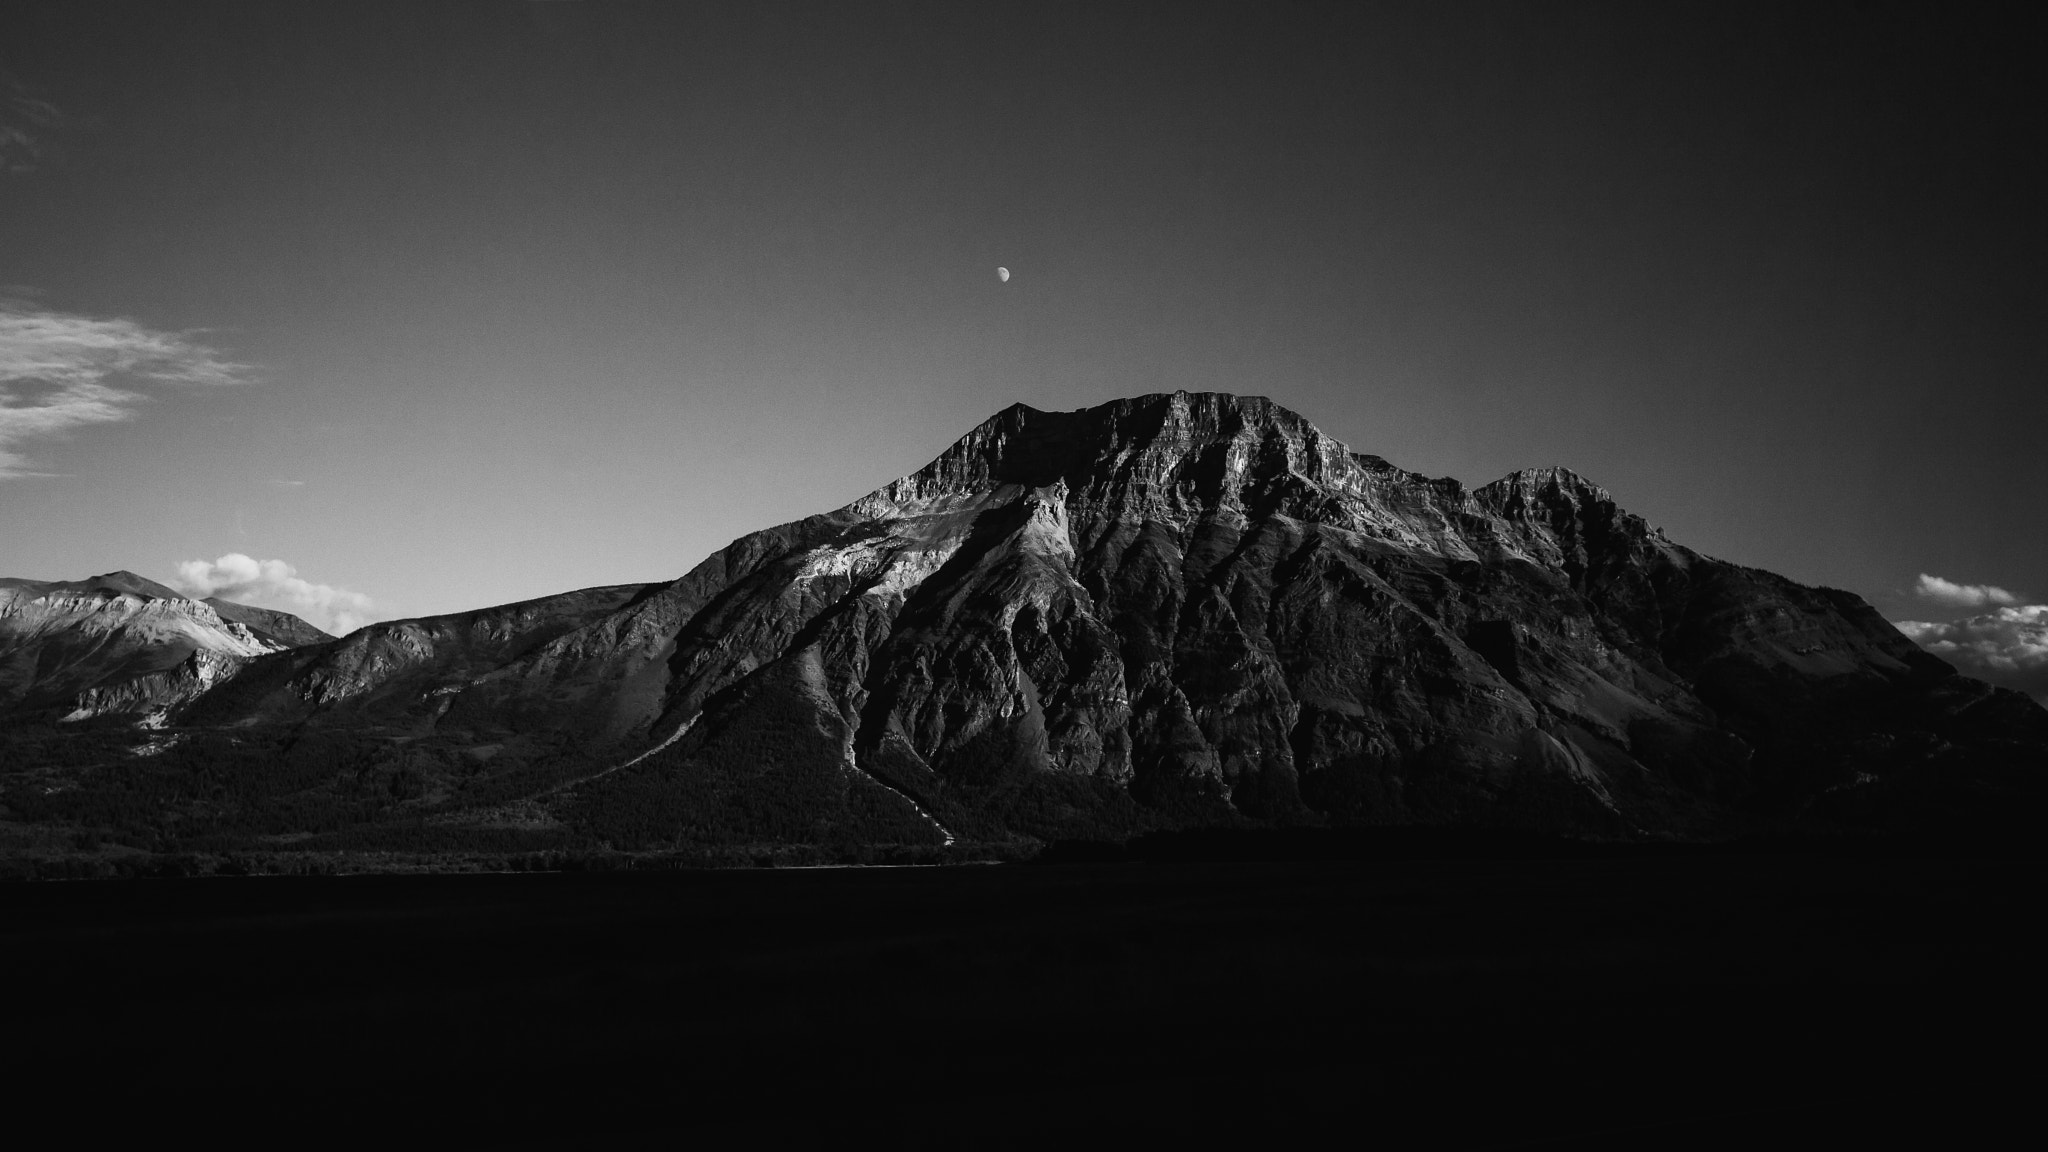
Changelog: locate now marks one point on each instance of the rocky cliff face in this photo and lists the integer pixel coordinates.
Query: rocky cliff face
(1183, 610)
(153, 697)
(61, 639)
(1201, 602)
(279, 629)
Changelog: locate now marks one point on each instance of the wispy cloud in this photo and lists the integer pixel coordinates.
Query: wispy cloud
(60, 371)
(1949, 594)
(23, 121)
(275, 584)
(2009, 646)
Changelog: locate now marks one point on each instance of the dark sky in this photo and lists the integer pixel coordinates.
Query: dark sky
(536, 296)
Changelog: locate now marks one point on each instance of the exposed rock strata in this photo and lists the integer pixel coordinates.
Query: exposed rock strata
(61, 639)
(279, 629)
(1186, 609)
(155, 696)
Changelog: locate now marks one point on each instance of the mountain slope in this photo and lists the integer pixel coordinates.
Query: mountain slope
(59, 639)
(1173, 610)
(268, 624)
(1202, 603)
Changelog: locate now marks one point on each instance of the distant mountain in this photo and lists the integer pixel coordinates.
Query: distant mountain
(60, 640)
(268, 624)
(1185, 610)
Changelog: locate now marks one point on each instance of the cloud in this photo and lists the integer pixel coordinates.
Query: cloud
(2009, 646)
(60, 371)
(23, 120)
(1952, 595)
(275, 584)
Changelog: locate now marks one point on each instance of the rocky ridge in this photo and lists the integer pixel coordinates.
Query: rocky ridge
(122, 643)
(1177, 610)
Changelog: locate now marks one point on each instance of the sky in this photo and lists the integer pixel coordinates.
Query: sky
(390, 310)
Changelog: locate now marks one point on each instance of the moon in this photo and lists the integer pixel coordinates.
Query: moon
(1003, 274)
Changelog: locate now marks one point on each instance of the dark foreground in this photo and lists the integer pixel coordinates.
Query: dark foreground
(1513, 1003)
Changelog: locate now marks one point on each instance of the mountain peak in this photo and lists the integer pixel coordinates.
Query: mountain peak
(1534, 484)
(126, 581)
(1179, 608)
(119, 582)
(1179, 450)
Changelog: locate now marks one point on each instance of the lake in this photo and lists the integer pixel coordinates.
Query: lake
(1480, 1002)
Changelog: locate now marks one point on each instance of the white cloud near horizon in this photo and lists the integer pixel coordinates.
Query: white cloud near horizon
(61, 370)
(276, 584)
(2009, 646)
(1949, 594)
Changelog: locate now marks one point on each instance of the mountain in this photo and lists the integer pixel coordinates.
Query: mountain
(279, 629)
(1185, 610)
(60, 640)
(67, 644)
